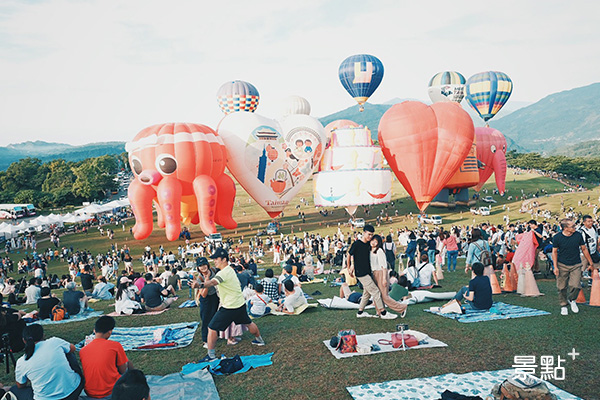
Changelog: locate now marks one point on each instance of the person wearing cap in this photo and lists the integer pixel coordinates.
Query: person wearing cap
(209, 301)
(233, 306)
(125, 298)
(360, 253)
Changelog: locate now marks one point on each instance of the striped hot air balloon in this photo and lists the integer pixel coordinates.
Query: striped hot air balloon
(360, 75)
(237, 96)
(447, 86)
(487, 92)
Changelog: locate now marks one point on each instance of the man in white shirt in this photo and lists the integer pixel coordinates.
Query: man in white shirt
(294, 298)
(33, 291)
(165, 276)
(590, 236)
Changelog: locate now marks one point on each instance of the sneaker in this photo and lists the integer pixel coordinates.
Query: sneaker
(403, 314)
(258, 342)
(574, 307)
(207, 359)
(388, 315)
(564, 311)
(205, 345)
(363, 314)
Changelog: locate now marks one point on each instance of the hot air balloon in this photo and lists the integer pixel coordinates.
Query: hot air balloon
(352, 171)
(180, 167)
(360, 75)
(425, 145)
(447, 86)
(467, 176)
(237, 96)
(295, 105)
(272, 159)
(491, 153)
(338, 124)
(487, 92)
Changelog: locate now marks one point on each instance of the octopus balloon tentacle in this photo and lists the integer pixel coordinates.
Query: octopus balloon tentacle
(181, 168)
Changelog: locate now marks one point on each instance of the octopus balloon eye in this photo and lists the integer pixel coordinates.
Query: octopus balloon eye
(166, 164)
(136, 165)
(493, 148)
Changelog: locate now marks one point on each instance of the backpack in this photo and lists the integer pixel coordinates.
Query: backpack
(228, 365)
(512, 389)
(416, 283)
(59, 313)
(484, 257)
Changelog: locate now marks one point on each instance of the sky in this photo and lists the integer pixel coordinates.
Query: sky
(83, 71)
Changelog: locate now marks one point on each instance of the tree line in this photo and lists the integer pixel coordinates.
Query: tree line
(59, 183)
(574, 168)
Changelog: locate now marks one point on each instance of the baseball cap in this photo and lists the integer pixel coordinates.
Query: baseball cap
(219, 253)
(201, 261)
(124, 279)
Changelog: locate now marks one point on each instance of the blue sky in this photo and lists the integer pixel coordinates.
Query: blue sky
(86, 71)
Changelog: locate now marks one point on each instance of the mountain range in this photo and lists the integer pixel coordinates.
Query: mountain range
(566, 123)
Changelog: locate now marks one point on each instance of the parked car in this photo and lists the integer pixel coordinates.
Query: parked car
(481, 211)
(272, 228)
(432, 219)
(215, 238)
(358, 222)
(489, 199)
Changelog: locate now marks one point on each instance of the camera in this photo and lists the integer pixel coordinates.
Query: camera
(401, 327)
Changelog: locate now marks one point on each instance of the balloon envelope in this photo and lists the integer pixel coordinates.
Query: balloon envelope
(295, 105)
(360, 75)
(237, 96)
(447, 86)
(491, 152)
(425, 145)
(487, 92)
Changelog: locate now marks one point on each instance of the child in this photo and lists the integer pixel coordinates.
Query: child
(257, 305)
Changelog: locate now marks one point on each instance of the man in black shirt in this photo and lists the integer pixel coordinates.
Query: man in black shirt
(87, 281)
(360, 252)
(566, 246)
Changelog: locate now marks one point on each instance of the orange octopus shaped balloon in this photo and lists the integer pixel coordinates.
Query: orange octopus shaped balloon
(425, 145)
(180, 167)
(491, 152)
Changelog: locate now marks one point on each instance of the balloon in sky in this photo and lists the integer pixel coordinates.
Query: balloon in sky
(295, 105)
(360, 75)
(272, 159)
(487, 92)
(180, 167)
(447, 86)
(491, 152)
(237, 96)
(425, 145)
(352, 171)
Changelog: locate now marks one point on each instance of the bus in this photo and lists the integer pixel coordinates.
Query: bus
(18, 210)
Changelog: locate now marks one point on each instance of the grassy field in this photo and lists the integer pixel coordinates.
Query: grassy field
(304, 369)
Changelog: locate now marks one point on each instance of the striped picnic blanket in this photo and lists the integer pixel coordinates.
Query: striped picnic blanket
(498, 311)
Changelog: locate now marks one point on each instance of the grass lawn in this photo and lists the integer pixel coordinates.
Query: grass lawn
(304, 369)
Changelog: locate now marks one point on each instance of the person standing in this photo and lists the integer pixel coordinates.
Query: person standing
(233, 306)
(590, 235)
(360, 253)
(566, 246)
(209, 301)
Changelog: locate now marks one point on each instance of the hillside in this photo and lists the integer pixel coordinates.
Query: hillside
(50, 151)
(559, 123)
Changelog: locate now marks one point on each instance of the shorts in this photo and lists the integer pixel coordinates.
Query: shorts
(225, 316)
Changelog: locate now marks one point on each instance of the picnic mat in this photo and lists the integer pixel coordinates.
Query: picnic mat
(196, 385)
(188, 304)
(249, 362)
(340, 304)
(425, 296)
(79, 317)
(503, 311)
(297, 310)
(373, 338)
(114, 313)
(131, 338)
(471, 384)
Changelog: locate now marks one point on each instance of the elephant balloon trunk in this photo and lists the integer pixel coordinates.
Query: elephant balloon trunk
(499, 165)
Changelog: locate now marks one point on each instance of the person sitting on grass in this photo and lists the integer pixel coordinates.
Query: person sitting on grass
(10, 292)
(75, 301)
(257, 305)
(132, 385)
(399, 291)
(125, 298)
(46, 303)
(286, 274)
(350, 295)
(103, 361)
(152, 295)
(33, 291)
(270, 285)
(479, 292)
(294, 298)
(103, 290)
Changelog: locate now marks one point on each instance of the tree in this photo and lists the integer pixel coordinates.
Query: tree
(27, 173)
(95, 177)
(60, 176)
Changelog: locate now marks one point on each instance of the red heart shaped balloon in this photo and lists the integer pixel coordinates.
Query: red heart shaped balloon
(425, 145)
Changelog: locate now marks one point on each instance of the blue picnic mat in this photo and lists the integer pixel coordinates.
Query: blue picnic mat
(255, 361)
(132, 338)
(498, 311)
(470, 384)
(197, 385)
(188, 304)
(79, 317)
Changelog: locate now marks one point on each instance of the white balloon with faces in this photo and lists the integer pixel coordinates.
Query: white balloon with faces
(271, 158)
